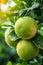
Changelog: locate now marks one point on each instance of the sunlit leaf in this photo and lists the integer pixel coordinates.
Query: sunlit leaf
(9, 63)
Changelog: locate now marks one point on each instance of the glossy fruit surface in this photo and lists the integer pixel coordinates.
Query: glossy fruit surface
(25, 27)
(26, 50)
(10, 37)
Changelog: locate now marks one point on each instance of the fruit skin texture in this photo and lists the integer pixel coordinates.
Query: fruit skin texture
(25, 27)
(10, 42)
(26, 50)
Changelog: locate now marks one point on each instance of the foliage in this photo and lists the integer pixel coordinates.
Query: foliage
(33, 8)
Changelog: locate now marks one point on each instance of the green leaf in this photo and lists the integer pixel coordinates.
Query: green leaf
(40, 29)
(19, 4)
(34, 63)
(18, 64)
(38, 40)
(13, 35)
(9, 63)
(13, 19)
(9, 14)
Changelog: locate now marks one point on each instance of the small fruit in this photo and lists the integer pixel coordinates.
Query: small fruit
(26, 27)
(8, 37)
(26, 50)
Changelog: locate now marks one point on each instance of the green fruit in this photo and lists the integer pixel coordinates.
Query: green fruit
(26, 50)
(26, 27)
(10, 39)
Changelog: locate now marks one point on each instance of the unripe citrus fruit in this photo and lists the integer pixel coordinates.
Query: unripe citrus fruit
(26, 27)
(8, 37)
(26, 50)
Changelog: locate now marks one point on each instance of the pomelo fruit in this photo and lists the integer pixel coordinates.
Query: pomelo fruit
(26, 27)
(26, 49)
(8, 37)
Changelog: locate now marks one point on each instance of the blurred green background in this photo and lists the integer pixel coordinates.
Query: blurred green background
(8, 16)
